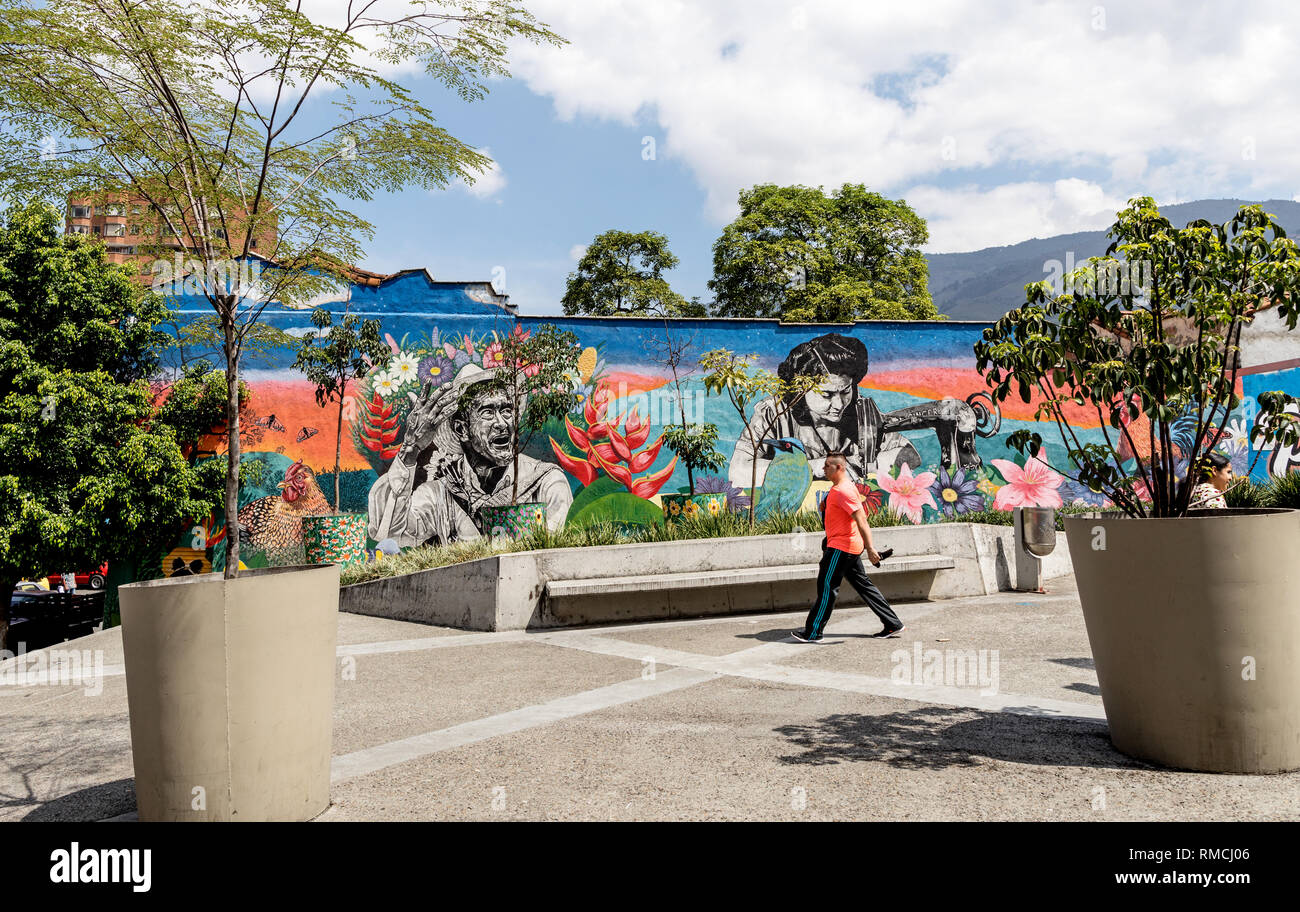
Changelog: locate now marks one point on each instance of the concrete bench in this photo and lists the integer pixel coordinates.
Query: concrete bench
(702, 579)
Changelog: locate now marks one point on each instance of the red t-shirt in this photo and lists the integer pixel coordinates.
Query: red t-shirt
(842, 501)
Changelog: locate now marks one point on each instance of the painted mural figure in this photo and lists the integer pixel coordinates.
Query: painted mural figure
(462, 430)
(838, 418)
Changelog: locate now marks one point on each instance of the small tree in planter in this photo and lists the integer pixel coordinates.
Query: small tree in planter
(538, 372)
(745, 386)
(334, 357)
(1173, 602)
(331, 358)
(1168, 351)
(693, 443)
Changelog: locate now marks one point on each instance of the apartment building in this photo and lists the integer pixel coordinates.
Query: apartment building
(134, 231)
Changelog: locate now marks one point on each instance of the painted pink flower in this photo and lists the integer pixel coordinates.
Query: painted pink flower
(493, 356)
(908, 493)
(1033, 486)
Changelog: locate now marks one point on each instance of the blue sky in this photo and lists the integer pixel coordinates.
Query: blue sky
(997, 120)
(565, 182)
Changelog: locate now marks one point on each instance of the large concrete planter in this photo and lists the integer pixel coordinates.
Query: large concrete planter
(1195, 632)
(230, 686)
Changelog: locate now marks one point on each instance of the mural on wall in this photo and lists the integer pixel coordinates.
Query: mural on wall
(426, 448)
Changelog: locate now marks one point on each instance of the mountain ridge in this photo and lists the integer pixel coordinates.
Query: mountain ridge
(984, 284)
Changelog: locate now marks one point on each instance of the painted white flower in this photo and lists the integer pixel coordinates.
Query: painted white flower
(403, 369)
(1235, 438)
(384, 385)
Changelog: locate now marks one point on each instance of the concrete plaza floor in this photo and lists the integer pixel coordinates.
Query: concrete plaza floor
(684, 720)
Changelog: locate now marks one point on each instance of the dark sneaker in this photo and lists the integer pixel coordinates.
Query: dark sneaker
(800, 636)
(889, 634)
(886, 554)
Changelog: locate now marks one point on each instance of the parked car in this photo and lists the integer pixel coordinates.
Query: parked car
(93, 579)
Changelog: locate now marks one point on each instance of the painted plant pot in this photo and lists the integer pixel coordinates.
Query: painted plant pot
(339, 539)
(684, 506)
(514, 520)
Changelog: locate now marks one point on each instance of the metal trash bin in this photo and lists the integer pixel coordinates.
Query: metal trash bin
(1035, 538)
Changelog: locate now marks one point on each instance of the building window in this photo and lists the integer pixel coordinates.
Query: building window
(133, 230)
(113, 209)
(252, 244)
(219, 233)
(135, 210)
(114, 230)
(80, 212)
(79, 229)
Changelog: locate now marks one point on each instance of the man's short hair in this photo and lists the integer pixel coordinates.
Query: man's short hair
(838, 457)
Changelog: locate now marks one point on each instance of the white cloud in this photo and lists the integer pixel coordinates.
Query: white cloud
(996, 119)
(489, 183)
(577, 252)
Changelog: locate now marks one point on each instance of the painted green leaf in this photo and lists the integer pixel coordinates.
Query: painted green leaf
(601, 487)
(620, 507)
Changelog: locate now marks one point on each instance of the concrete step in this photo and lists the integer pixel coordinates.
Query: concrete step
(736, 577)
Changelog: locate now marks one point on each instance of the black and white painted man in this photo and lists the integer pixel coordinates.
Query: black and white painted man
(465, 427)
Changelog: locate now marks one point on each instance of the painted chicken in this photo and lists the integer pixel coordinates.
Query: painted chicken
(274, 523)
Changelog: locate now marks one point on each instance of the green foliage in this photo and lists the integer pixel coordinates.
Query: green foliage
(334, 355)
(1283, 491)
(887, 516)
(693, 444)
(744, 386)
(200, 342)
(1166, 346)
(621, 274)
(596, 534)
(196, 405)
(89, 470)
(1008, 517)
(1244, 494)
(538, 370)
(618, 508)
(803, 256)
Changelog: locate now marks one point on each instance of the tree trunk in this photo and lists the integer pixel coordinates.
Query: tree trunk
(338, 446)
(232, 442)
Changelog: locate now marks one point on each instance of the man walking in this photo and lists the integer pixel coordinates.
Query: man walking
(847, 536)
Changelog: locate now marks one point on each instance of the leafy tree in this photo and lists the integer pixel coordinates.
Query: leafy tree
(87, 471)
(693, 443)
(345, 352)
(536, 370)
(803, 256)
(745, 386)
(1167, 348)
(199, 341)
(621, 275)
(197, 108)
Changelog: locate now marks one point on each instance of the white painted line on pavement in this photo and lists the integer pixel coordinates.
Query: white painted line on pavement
(373, 759)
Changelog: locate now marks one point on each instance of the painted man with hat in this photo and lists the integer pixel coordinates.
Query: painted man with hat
(462, 431)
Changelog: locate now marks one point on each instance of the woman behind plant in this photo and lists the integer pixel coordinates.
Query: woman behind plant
(1212, 476)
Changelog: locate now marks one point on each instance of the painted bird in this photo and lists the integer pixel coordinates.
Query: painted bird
(275, 522)
(788, 477)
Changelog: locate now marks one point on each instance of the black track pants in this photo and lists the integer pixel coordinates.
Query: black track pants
(837, 566)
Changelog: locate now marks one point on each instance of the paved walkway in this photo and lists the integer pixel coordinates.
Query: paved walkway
(986, 708)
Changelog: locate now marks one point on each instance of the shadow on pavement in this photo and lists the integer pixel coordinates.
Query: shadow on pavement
(939, 737)
(97, 802)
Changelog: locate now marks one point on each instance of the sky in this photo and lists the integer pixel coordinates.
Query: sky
(997, 121)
